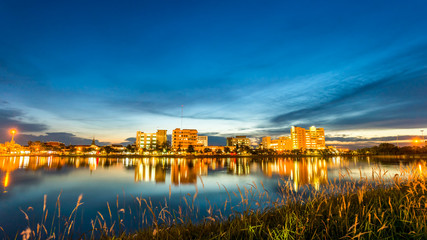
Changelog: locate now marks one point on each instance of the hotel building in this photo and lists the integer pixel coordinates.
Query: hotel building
(182, 138)
(281, 144)
(313, 138)
(238, 140)
(150, 141)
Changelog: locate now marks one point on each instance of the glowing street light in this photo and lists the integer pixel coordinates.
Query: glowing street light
(13, 132)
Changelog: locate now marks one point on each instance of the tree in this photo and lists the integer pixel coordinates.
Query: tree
(108, 149)
(131, 148)
(190, 149)
(227, 150)
(218, 151)
(387, 148)
(165, 147)
(72, 149)
(236, 150)
(296, 151)
(207, 150)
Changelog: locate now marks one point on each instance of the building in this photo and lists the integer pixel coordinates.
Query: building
(161, 137)
(281, 144)
(183, 138)
(215, 149)
(202, 141)
(313, 138)
(55, 144)
(150, 141)
(238, 140)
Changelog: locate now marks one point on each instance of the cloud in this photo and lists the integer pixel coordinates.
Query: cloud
(64, 137)
(14, 118)
(129, 141)
(394, 100)
(361, 142)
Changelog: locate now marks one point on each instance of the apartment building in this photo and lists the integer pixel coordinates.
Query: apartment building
(312, 138)
(182, 138)
(280, 144)
(150, 141)
(238, 140)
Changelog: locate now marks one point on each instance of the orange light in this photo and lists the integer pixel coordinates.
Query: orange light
(13, 131)
(6, 180)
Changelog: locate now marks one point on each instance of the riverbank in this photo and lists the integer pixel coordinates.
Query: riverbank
(399, 211)
(189, 156)
(316, 202)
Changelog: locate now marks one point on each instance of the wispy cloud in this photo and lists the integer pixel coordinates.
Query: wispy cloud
(14, 118)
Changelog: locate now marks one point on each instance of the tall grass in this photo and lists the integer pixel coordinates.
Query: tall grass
(368, 208)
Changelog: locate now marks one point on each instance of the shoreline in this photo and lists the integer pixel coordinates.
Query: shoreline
(191, 156)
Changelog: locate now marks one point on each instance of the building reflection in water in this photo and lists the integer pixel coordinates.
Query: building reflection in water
(239, 166)
(310, 171)
(306, 171)
(149, 171)
(186, 171)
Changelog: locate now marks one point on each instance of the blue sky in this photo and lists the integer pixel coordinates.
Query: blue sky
(75, 70)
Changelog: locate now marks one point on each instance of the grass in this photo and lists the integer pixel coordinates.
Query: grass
(397, 211)
(355, 209)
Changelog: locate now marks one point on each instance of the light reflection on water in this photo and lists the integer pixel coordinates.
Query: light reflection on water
(26, 179)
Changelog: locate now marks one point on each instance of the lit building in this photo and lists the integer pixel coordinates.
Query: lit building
(150, 141)
(214, 149)
(55, 144)
(202, 141)
(183, 138)
(281, 144)
(313, 138)
(238, 140)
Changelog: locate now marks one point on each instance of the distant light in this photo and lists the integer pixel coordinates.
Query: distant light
(6, 180)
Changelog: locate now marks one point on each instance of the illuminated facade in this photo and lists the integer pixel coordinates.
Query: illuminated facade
(281, 144)
(202, 141)
(150, 141)
(313, 138)
(238, 140)
(183, 138)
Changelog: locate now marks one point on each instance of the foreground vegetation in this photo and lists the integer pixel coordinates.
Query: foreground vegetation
(374, 208)
(387, 212)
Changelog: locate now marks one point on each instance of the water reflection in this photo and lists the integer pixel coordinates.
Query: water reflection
(312, 171)
(180, 171)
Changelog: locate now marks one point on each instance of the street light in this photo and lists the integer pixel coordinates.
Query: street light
(13, 132)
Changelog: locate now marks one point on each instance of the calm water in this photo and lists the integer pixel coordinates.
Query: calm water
(26, 180)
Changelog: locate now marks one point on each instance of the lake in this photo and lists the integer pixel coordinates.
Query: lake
(173, 182)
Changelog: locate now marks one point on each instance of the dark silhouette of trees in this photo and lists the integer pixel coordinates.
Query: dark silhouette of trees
(190, 149)
(391, 149)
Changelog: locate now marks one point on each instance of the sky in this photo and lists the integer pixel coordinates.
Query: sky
(74, 70)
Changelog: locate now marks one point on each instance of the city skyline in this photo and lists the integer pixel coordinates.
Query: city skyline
(73, 71)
